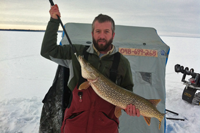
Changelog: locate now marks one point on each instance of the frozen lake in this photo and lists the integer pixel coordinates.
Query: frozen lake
(25, 77)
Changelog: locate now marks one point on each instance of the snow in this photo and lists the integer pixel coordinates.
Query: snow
(183, 51)
(25, 77)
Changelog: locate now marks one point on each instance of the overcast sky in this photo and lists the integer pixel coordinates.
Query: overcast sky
(168, 17)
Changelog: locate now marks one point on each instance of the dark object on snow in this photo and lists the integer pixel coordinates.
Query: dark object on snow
(175, 119)
(169, 118)
(171, 112)
(191, 86)
(55, 102)
(188, 94)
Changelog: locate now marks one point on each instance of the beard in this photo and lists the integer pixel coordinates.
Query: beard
(101, 47)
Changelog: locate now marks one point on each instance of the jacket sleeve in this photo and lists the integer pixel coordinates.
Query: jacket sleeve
(50, 49)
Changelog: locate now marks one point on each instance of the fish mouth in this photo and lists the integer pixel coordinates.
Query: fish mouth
(87, 70)
(83, 63)
(81, 60)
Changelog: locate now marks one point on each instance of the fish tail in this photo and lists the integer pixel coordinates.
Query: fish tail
(160, 120)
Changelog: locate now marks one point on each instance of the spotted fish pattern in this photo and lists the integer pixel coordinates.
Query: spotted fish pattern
(117, 95)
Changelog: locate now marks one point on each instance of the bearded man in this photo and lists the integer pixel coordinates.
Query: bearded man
(88, 113)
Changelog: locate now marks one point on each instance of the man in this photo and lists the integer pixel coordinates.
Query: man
(88, 113)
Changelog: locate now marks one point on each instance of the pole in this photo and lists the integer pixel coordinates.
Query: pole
(171, 112)
(175, 119)
(73, 48)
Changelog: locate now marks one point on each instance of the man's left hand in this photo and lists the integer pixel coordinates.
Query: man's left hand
(132, 110)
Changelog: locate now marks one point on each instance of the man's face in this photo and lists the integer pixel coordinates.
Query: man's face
(102, 36)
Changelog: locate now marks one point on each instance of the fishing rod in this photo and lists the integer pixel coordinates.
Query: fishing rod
(73, 48)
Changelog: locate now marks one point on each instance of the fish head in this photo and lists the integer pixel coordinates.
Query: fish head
(87, 70)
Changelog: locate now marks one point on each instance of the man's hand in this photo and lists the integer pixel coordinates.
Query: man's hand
(132, 110)
(54, 11)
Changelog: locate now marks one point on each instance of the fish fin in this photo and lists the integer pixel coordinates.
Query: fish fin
(159, 124)
(148, 120)
(84, 85)
(118, 111)
(92, 80)
(154, 101)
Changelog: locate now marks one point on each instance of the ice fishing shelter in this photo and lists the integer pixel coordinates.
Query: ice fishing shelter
(147, 54)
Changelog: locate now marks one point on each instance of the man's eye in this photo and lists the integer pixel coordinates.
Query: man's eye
(106, 31)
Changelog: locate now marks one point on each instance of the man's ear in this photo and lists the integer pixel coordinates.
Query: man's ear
(113, 35)
(92, 33)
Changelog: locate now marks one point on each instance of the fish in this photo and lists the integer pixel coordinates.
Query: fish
(116, 95)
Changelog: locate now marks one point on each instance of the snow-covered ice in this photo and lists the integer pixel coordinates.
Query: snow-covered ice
(183, 51)
(25, 77)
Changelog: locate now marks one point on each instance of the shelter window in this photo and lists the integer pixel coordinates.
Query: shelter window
(146, 77)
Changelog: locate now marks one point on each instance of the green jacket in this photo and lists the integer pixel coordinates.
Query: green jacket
(64, 56)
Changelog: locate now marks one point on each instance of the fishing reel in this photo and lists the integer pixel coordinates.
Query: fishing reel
(192, 85)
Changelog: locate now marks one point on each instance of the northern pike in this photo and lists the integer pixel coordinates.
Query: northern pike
(117, 95)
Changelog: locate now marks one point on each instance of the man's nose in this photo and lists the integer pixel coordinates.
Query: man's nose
(101, 35)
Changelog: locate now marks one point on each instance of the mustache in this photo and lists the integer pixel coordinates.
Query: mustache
(101, 40)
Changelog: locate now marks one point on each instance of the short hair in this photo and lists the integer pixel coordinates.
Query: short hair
(104, 18)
